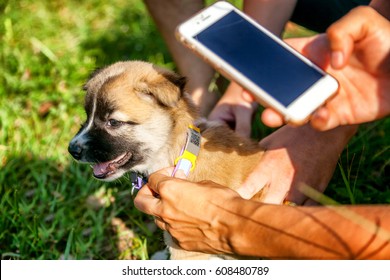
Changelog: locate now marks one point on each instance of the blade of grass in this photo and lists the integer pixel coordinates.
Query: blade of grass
(68, 245)
(345, 212)
(347, 184)
(44, 49)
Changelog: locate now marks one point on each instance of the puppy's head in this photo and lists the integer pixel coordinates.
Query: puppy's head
(130, 117)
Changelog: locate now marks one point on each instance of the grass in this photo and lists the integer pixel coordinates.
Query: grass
(50, 207)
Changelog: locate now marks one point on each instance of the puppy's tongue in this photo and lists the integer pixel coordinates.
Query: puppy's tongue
(101, 169)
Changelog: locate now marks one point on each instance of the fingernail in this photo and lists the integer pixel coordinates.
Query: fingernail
(337, 59)
(321, 114)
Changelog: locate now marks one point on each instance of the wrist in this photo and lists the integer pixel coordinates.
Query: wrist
(338, 137)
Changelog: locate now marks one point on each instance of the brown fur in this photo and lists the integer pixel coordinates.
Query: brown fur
(141, 92)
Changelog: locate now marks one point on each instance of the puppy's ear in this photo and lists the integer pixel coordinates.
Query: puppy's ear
(92, 75)
(167, 88)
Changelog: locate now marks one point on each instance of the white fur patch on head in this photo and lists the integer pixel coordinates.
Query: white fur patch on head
(155, 137)
(81, 138)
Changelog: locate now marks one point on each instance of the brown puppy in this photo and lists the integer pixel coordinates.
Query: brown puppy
(137, 120)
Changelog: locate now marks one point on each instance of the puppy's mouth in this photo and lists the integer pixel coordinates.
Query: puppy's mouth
(106, 169)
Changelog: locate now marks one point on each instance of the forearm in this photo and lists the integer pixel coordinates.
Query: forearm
(207, 217)
(309, 151)
(272, 14)
(332, 141)
(309, 137)
(284, 232)
(168, 15)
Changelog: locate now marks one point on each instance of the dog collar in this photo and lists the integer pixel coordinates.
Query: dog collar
(137, 181)
(185, 162)
(187, 159)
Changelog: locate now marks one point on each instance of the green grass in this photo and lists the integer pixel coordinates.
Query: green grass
(47, 52)
(50, 207)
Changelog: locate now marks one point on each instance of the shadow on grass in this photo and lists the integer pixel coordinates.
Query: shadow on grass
(52, 211)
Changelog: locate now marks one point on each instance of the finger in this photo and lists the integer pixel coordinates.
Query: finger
(160, 223)
(274, 195)
(221, 113)
(259, 182)
(320, 119)
(179, 174)
(297, 43)
(174, 172)
(341, 46)
(327, 118)
(146, 202)
(247, 96)
(271, 118)
(244, 121)
(244, 114)
(167, 171)
(255, 182)
(343, 33)
(158, 177)
(315, 48)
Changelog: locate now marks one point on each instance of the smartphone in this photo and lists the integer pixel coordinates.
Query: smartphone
(240, 49)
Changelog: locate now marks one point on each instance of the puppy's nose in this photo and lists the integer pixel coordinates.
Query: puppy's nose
(75, 150)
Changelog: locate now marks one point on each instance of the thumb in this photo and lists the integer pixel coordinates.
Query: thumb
(271, 118)
(179, 173)
(252, 185)
(340, 47)
(344, 33)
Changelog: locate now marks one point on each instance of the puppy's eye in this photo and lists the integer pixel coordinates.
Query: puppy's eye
(114, 123)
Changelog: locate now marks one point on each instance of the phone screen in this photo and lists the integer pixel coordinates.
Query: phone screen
(269, 65)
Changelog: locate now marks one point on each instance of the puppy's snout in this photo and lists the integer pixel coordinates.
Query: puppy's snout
(75, 149)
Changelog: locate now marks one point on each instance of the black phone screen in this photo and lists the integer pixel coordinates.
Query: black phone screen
(257, 56)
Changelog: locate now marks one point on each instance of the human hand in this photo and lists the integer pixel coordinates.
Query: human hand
(295, 156)
(360, 46)
(356, 52)
(195, 214)
(209, 218)
(236, 108)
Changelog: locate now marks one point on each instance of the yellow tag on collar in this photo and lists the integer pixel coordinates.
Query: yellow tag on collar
(187, 159)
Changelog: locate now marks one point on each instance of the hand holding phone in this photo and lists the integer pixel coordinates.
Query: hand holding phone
(242, 50)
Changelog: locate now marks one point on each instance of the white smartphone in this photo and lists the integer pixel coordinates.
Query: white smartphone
(243, 51)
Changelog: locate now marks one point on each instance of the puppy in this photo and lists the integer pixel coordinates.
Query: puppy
(137, 120)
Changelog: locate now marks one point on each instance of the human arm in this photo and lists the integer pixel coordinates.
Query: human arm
(168, 15)
(294, 156)
(273, 15)
(208, 217)
(363, 96)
